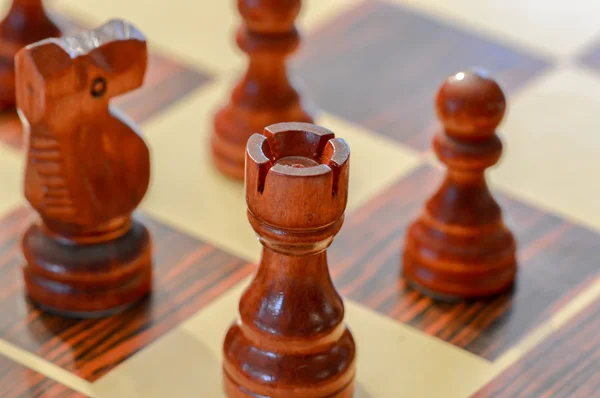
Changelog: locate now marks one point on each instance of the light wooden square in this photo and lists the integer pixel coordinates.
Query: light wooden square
(199, 31)
(186, 190)
(553, 28)
(12, 164)
(394, 360)
(552, 144)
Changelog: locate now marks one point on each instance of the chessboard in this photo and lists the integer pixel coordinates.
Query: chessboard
(372, 68)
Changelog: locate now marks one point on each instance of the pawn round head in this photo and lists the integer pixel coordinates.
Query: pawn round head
(470, 105)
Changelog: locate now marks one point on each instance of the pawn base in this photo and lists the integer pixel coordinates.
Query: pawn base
(454, 268)
(453, 299)
(457, 295)
(87, 281)
(446, 298)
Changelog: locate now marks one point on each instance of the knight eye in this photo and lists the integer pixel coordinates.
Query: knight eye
(98, 87)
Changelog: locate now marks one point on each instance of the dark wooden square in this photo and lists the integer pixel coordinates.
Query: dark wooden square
(380, 65)
(556, 260)
(566, 364)
(17, 381)
(188, 274)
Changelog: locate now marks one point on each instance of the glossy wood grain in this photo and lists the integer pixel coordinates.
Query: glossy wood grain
(266, 93)
(87, 170)
(26, 22)
(459, 246)
(17, 381)
(364, 262)
(188, 275)
(379, 65)
(291, 340)
(566, 364)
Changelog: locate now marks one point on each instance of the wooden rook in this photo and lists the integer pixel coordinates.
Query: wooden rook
(265, 95)
(87, 170)
(291, 340)
(459, 248)
(25, 23)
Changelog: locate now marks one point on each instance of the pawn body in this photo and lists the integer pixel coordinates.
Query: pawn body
(459, 247)
(291, 340)
(265, 95)
(25, 23)
(87, 170)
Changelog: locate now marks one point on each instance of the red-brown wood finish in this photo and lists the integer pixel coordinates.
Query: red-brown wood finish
(369, 43)
(291, 340)
(460, 248)
(265, 95)
(87, 170)
(25, 23)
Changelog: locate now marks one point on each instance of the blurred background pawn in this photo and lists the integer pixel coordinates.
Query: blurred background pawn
(26, 22)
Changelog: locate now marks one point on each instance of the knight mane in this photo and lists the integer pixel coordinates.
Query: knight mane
(85, 42)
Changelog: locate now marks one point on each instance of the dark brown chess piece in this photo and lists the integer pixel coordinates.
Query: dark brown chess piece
(291, 340)
(265, 95)
(25, 23)
(87, 170)
(459, 248)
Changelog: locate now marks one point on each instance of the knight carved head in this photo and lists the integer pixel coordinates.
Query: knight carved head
(74, 77)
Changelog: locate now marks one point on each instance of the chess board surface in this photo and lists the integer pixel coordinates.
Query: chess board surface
(372, 67)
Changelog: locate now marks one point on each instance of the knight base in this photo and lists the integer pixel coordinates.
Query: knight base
(87, 281)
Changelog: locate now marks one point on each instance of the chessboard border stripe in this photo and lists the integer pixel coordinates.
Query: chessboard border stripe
(47, 368)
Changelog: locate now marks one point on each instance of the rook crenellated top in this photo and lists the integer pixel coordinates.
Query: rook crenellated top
(297, 166)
